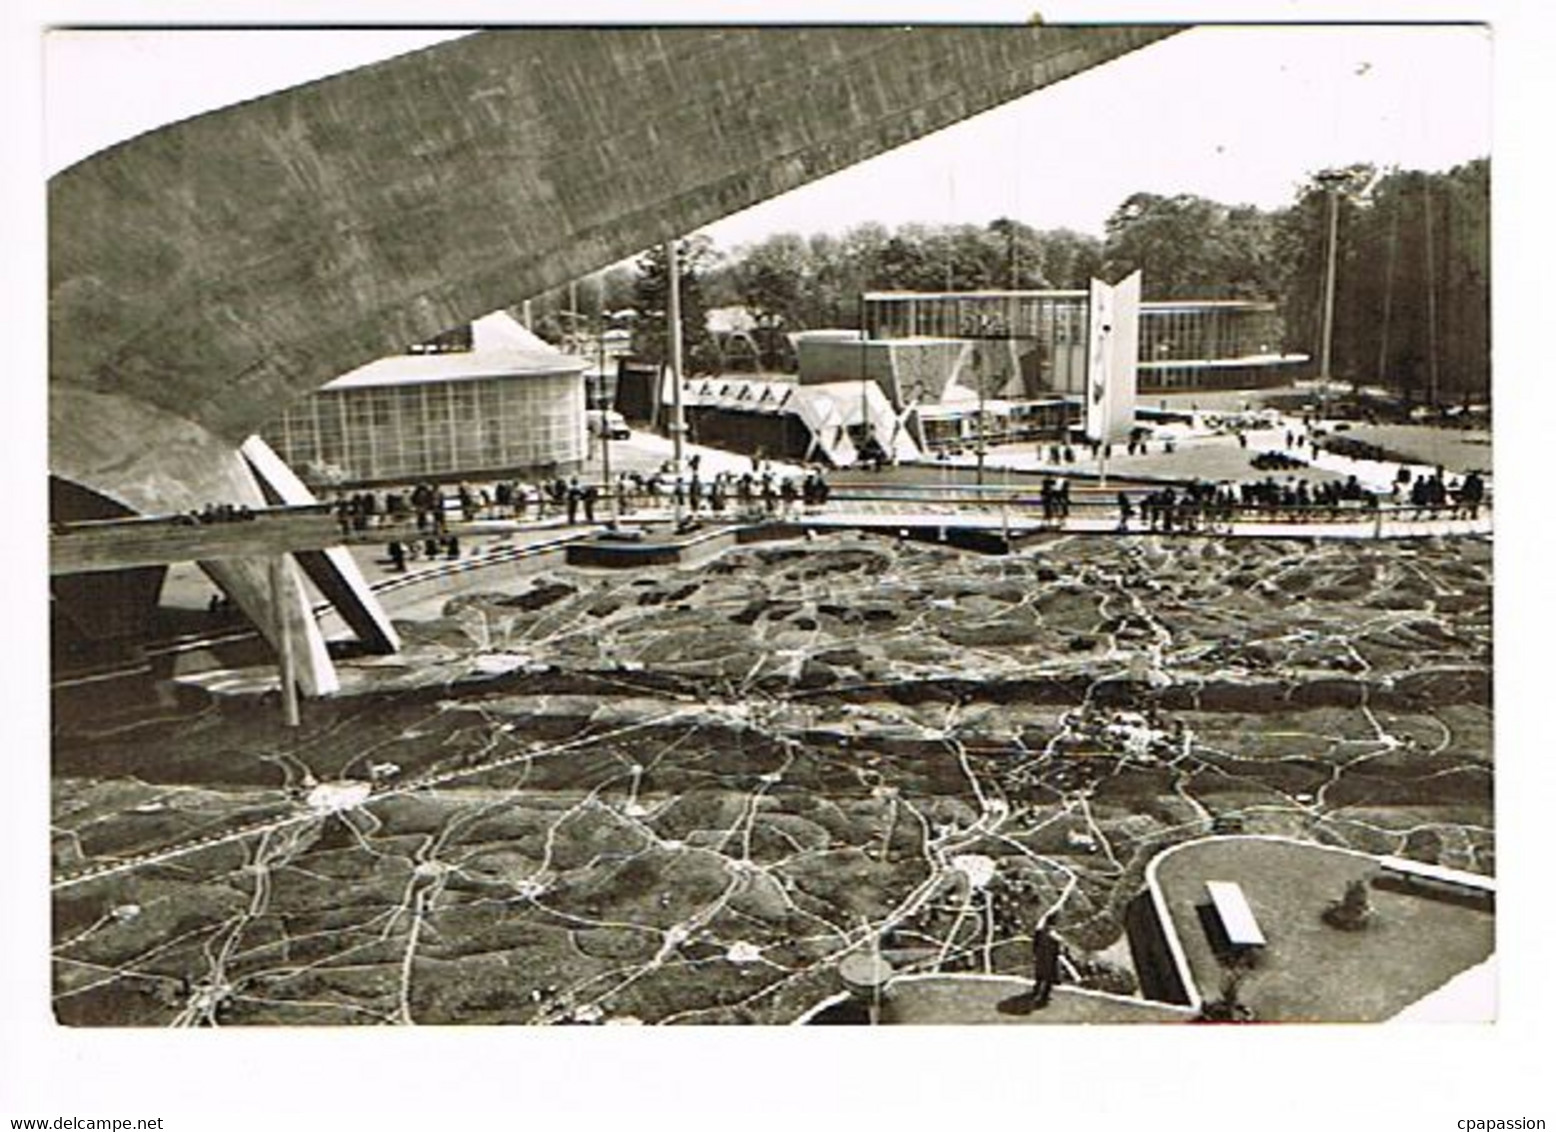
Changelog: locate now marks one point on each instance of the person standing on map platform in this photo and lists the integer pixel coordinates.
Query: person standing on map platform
(1045, 963)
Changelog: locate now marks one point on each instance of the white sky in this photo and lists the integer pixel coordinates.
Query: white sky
(1237, 114)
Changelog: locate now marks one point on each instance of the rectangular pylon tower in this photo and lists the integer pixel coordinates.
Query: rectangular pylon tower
(1112, 359)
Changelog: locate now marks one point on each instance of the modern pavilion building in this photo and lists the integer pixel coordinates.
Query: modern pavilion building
(485, 400)
(971, 367)
(1033, 343)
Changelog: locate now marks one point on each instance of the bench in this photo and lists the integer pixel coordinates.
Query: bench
(1420, 870)
(1237, 920)
(1434, 882)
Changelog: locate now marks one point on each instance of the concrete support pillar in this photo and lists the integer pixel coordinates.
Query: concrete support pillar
(247, 582)
(332, 570)
(281, 601)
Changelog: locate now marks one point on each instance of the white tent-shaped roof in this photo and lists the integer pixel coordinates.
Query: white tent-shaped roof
(500, 346)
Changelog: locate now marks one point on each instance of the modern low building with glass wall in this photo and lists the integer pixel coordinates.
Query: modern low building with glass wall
(1213, 344)
(1189, 344)
(486, 400)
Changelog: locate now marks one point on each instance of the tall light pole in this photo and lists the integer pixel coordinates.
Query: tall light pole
(978, 372)
(864, 378)
(984, 329)
(1104, 430)
(677, 409)
(1331, 179)
(1431, 293)
(606, 401)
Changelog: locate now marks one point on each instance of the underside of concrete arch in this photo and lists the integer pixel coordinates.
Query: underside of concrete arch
(204, 275)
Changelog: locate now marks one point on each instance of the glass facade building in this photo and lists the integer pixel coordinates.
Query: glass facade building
(508, 405)
(1194, 344)
(1049, 327)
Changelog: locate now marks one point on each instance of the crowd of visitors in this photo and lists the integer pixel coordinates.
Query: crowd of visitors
(763, 490)
(768, 491)
(1296, 497)
(1434, 493)
(1056, 499)
(432, 547)
(220, 513)
(1204, 506)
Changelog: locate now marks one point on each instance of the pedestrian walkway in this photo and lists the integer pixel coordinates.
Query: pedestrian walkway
(849, 514)
(646, 452)
(532, 544)
(1200, 451)
(1002, 1000)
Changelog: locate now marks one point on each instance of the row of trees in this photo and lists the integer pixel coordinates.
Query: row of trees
(696, 260)
(816, 281)
(1187, 247)
(793, 282)
(1413, 298)
(1412, 284)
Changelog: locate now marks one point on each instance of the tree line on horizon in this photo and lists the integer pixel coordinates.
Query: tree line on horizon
(1412, 307)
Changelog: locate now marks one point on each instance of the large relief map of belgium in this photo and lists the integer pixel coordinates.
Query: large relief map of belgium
(684, 797)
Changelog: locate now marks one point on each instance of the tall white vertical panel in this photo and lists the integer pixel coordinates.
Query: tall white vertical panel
(1099, 330)
(1124, 370)
(1112, 356)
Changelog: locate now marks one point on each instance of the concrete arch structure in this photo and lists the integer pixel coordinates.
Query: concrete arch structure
(205, 274)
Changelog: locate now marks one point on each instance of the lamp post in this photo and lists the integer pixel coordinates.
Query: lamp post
(677, 410)
(864, 376)
(978, 374)
(1104, 428)
(1331, 179)
(985, 329)
(606, 401)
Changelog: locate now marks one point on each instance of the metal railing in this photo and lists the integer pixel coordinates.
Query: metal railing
(1083, 501)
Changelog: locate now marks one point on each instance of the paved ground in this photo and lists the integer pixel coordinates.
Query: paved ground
(1310, 971)
(886, 516)
(972, 1001)
(1202, 453)
(1457, 450)
(645, 453)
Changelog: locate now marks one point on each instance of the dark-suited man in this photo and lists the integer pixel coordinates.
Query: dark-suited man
(1045, 963)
